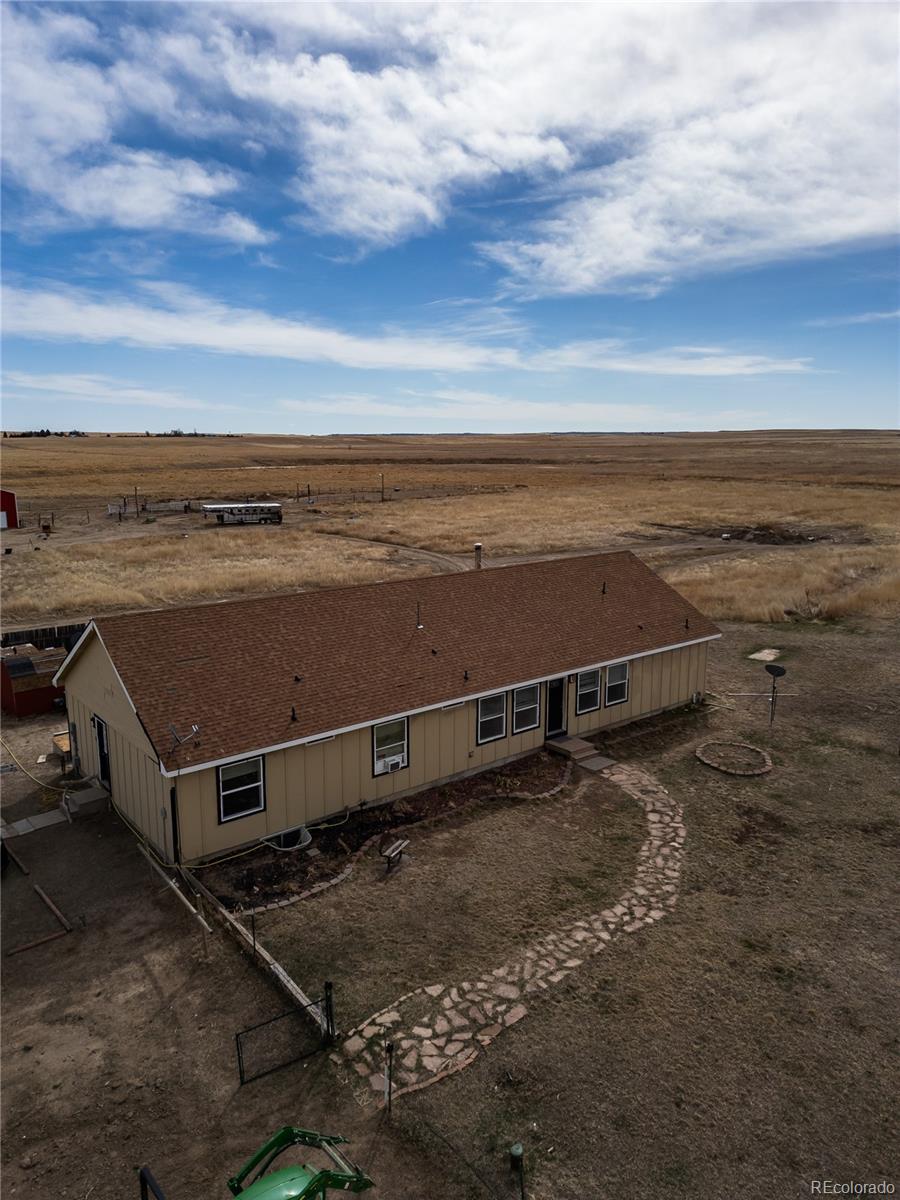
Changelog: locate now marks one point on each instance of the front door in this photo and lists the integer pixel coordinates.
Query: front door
(102, 750)
(556, 706)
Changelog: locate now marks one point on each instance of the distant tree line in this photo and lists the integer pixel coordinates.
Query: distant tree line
(177, 433)
(45, 433)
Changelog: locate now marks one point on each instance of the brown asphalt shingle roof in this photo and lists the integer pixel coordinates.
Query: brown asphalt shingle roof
(230, 667)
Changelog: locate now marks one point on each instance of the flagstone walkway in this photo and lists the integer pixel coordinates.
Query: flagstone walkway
(439, 1029)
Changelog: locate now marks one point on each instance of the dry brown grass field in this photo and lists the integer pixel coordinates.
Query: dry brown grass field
(825, 507)
(741, 1047)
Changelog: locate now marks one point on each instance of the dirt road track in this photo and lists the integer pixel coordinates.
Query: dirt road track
(442, 562)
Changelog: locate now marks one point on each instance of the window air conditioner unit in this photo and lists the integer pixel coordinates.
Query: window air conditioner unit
(394, 763)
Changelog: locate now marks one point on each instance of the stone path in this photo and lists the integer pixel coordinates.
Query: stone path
(439, 1029)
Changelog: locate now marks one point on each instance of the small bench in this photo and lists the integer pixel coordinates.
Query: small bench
(393, 852)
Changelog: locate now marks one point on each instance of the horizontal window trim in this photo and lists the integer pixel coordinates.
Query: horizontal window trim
(479, 740)
(588, 708)
(536, 706)
(414, 712)
(261, 786)
(376, 774)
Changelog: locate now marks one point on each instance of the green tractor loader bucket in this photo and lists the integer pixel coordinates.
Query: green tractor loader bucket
(257, 1181)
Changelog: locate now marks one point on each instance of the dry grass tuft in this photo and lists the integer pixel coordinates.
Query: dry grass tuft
(814, 582)
(151, 571)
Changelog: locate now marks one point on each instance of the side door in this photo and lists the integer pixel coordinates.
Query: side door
(102, 735)
(556, 707)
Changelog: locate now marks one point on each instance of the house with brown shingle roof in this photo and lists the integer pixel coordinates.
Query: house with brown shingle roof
(219, 725)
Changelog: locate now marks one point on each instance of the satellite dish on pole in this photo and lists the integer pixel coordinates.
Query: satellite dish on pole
(776, 672)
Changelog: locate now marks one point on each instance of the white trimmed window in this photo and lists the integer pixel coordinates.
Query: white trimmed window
(617, 684)
(390, 746)
(587, 696)
(526, 708)
(491, 718)
(242, 789)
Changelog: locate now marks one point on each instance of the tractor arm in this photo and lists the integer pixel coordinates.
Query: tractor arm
(289, 1135)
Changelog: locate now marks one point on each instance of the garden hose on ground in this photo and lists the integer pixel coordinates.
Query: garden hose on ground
(51, 787)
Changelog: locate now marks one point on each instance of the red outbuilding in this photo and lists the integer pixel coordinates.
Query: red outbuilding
(9, 510)
(26, 680)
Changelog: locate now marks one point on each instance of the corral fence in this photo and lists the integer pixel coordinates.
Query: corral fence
(45, 637)
(132, 506)
(286, 1038)
(127, 506)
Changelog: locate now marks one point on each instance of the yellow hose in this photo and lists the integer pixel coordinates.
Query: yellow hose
(51, 787)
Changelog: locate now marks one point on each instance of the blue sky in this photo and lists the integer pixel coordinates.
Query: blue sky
(378, 218)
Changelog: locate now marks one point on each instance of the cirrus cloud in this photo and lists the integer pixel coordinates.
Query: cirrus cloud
(163, 315)
(641, 143)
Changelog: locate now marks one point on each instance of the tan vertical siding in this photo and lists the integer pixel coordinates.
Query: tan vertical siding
(308, 783)
(656, 681)
(136, 785)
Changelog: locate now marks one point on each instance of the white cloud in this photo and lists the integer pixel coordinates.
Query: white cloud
(658, 141)
(102, 389)
(183, 318)
(60, 120)
(614, 354)
(867, 318)
(683, 138)
(165, 316)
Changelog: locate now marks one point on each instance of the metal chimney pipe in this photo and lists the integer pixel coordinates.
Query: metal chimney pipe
(478, 556)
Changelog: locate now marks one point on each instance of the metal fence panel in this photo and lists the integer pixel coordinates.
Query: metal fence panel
(280, 1041)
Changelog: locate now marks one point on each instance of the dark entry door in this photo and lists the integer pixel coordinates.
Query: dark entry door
(102, 750)
(556, 706)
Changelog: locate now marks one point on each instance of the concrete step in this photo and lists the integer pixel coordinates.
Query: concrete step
(597, 763)
(87, 802)
(571, 747)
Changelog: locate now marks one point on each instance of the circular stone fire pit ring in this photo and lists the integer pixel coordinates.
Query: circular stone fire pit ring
(734, 758)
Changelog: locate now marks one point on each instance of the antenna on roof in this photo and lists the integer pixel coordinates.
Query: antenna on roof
(419, 624)
(177, 740)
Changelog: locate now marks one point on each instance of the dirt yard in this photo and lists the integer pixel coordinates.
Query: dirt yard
(471, 889)
(743, 1045)
(746, 1045)
(29, 738)
(118, 1040)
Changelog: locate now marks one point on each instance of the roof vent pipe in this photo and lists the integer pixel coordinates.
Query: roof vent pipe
(478, 556)
(419, 624)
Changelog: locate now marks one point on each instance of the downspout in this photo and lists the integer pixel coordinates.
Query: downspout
(176, 838)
